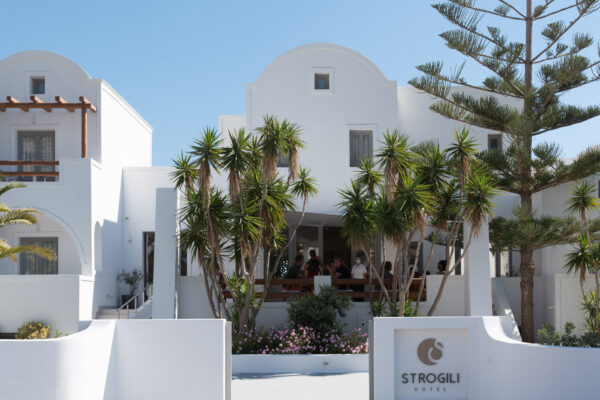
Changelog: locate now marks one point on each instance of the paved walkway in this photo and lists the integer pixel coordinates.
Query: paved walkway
(354, 386)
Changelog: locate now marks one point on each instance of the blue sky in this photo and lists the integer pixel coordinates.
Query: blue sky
(183, 63)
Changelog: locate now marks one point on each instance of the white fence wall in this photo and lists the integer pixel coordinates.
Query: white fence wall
(122, 360)
(57, 300)
(483, 362)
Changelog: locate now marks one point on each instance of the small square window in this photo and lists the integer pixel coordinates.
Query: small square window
(38, 85)
(495, 142)
(321, 81)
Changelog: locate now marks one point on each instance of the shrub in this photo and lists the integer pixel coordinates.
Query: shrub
(547, 335)
(132, 279)
(33, 330)
(588, 305)
(319, 311)
(301, 340)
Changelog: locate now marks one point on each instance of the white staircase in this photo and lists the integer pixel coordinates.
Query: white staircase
(143, 312)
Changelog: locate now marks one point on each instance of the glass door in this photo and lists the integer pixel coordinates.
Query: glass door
(36, 146)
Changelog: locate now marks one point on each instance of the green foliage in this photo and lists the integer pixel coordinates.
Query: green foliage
(547, 335)
(19, 216)
(239, 289)
(131, 278)
(33, 330)
(320, 311)
(588, 305)
(220, 227)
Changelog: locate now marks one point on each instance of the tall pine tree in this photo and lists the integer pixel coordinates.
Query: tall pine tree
(532, 75)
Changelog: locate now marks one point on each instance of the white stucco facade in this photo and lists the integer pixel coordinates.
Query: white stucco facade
(97, 207)
(100, 207)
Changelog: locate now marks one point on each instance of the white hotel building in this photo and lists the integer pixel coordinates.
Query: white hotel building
(98, 198)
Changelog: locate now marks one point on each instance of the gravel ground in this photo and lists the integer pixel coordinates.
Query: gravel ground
(352, 386)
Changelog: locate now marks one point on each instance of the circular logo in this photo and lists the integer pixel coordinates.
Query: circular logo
(429, 351)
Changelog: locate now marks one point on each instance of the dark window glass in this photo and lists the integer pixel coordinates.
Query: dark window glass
(32, 264)
(321, 81)
(361, 146)
(38, 85)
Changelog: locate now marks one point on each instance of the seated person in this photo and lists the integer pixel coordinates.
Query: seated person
(313, 266)
(359, 271)
(387, 270)
(295, 271)
(441, 267)
(339, 270)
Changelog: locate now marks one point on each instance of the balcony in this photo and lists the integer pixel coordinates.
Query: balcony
(29, 171)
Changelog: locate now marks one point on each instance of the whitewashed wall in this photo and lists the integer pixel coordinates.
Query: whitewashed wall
(491, 365)
(122, 360)
(57, 300)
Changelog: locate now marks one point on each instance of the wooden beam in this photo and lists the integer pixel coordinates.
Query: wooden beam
(85, 101)
(37, 100)
(83, 132)
(49, 174)
(24, 163)
(12, 100)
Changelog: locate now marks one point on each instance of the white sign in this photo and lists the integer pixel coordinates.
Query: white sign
(431, 364)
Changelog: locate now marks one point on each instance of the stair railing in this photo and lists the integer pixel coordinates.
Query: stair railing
(146, 293)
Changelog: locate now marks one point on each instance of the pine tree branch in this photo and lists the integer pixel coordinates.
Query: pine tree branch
(559, 56)
(557, 89)
(557, 38)
(504, 78)
(462, 3)
(472, 29)
(465, 84)
(560, 10)
(506, 3)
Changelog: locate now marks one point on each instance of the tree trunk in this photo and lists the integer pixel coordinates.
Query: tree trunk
(527, 273)
(527, 266)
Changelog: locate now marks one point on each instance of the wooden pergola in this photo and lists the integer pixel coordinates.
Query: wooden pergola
(60, 103)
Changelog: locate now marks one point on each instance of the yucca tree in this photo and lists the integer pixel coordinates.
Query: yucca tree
(19, 216)
(236, 226)
(358, 214)
(395, 158)
(577, 261)
(586, 255)
(303, 188)
(206, 154)
(522, 97)
(414, 201)
(236, 159)
(279, 138)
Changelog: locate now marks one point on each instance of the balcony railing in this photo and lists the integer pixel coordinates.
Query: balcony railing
(355, 288)
(40, 171)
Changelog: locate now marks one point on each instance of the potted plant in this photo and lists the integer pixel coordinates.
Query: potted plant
(133, 279)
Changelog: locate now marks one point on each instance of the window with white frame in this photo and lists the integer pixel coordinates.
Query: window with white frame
(33, 264)
(321, 81)
(495, 142)
(38, 85)
(361, 146)
(36, 146)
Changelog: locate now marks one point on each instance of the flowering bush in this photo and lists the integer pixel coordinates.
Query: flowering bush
(300, 340)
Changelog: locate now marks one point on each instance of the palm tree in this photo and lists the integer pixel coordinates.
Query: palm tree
(369, 176)
(477, 208)
(236, 159)
(578, 261)
(25, 216)
(395, 159)
(207, 156)
(582, 201)
(278, 138)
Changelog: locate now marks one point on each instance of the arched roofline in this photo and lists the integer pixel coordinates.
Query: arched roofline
(325, 46)
(24, 55)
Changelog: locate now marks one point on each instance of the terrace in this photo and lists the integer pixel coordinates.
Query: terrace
(36, 150)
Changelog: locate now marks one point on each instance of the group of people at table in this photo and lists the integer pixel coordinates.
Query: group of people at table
(337, 269)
